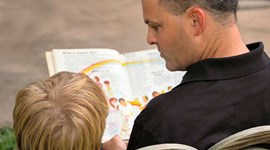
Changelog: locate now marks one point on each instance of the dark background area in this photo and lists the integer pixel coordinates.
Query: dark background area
(30, 27)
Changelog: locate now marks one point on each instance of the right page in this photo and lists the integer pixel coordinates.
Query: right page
(148, 75)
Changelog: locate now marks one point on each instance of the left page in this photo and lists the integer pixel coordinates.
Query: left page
(104, 66)
(50, 62)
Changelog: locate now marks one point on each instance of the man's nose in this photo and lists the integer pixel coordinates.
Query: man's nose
(151, 39)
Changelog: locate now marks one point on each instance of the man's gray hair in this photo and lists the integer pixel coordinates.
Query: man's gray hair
(220, 9)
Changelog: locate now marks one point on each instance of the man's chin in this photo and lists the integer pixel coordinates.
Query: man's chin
(169, 67)
(173, 68)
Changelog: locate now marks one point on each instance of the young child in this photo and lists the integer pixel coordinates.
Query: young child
(65, 112)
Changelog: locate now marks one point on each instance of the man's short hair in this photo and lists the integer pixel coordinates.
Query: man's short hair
(220, 9)
(67, 111)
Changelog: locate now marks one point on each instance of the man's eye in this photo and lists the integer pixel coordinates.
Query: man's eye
(154, 27)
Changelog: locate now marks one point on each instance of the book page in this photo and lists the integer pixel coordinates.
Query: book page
(50, 62)
(105, 68)
(148, 75)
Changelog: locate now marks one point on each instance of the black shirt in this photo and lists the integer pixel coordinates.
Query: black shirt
(216, 98)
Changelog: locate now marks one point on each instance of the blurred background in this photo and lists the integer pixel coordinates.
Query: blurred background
(28, 28)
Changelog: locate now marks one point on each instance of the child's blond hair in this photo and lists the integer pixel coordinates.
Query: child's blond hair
(67, 111)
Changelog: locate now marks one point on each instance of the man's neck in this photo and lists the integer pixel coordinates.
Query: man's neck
(224, 42)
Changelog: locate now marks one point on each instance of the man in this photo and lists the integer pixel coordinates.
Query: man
(224, 90)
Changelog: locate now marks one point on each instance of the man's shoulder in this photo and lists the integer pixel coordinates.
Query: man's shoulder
(184, 103)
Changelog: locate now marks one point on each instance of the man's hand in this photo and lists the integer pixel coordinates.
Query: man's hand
(115, 143)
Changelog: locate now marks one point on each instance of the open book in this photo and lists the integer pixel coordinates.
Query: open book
(255, 138)
(129, 80)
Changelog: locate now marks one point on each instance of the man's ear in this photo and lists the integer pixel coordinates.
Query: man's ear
(198, 19)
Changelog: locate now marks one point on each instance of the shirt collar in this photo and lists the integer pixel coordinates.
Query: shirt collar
(229, 67)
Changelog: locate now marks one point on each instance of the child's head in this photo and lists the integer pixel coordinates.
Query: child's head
(66, 111)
